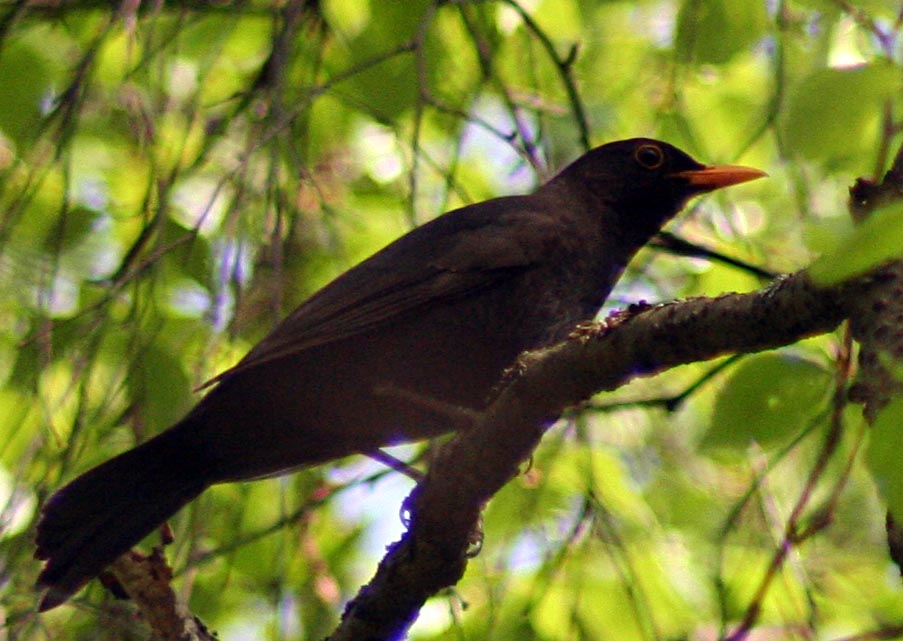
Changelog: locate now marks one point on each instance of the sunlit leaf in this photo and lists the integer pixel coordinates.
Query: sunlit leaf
(883, 455)
(715, 31)
(824, 124)
(877, 239)
(158, 383)
(767, 399)
(27, 77)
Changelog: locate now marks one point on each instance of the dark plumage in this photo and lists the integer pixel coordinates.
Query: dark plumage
(440, 313)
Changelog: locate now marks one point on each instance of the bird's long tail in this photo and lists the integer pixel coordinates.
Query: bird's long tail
(88, 523)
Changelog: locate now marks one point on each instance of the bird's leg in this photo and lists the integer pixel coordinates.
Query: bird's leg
(396, 464)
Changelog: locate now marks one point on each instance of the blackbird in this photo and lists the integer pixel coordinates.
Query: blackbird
(439, 314)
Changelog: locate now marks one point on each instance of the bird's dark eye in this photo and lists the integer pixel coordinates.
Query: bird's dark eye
(649, 156)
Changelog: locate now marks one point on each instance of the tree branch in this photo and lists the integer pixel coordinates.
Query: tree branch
(475, 464)
(146, 579)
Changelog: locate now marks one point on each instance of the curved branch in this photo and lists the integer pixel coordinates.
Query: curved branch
(475, 464)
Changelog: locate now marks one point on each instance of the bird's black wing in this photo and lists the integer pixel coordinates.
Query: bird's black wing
(461, 252)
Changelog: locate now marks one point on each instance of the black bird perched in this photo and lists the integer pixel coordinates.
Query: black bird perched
(439, 313)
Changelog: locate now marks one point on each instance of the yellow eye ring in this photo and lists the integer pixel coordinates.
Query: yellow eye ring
(649, 156)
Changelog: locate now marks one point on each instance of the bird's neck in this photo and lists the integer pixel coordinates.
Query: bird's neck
(615, 230)
(604, 235)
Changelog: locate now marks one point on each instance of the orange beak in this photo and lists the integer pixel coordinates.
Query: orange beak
(709, 178)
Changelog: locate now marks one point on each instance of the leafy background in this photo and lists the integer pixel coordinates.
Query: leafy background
(176, 176)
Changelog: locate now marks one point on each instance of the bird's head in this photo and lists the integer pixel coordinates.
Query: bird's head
(645, 182)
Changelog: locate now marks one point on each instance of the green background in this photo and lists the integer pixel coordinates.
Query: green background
(174, 179)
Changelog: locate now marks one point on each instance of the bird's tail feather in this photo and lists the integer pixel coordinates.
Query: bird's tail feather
(88, 523)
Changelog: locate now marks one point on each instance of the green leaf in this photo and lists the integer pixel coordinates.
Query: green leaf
(391, 25)
(72, 227)
(715, 31)
(33, 353)
(27, 76)
(159, 386)
(833, 115)
(188, 253)
(767, 399)
(883, 455)
(876, 240)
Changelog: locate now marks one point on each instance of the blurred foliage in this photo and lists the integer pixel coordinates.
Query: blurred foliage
(176, 176)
